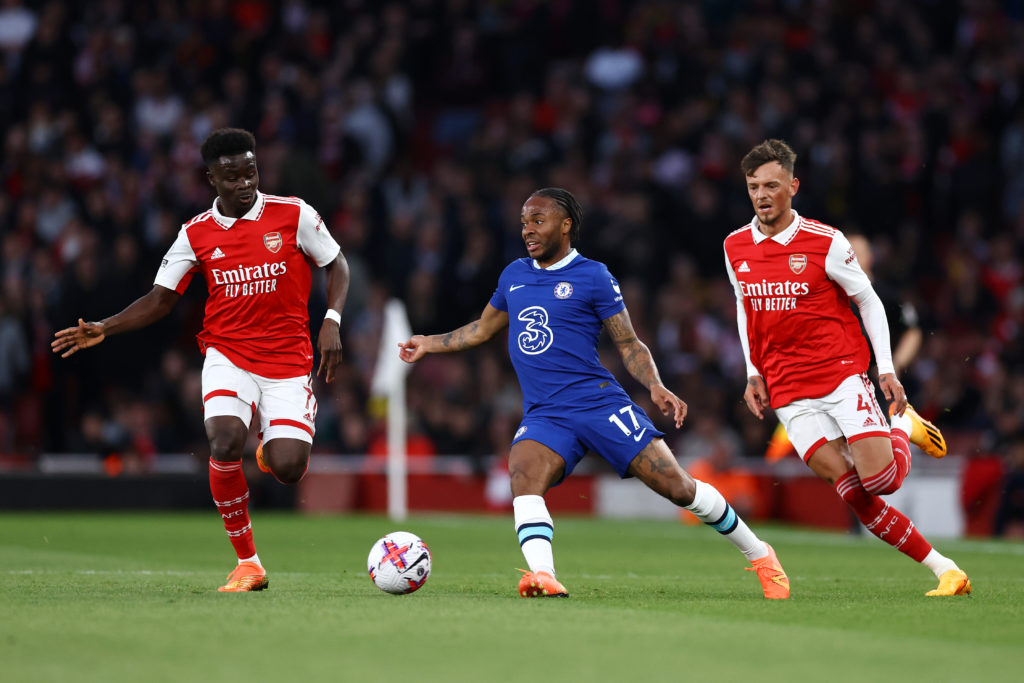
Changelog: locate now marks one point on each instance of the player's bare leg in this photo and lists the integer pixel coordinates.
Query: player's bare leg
(656, 467)
(831, 460)
(533, 468)
(833, 463)
(231, 496)
(882, 462)
(288, 459)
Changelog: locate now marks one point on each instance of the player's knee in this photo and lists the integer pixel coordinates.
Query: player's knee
(532, 473)
(288, 466)
(226, 446)
(524, 483)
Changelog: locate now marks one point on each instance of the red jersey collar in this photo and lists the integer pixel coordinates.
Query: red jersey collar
(782, 238)
(252, 214)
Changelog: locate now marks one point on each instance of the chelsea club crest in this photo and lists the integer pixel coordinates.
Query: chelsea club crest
(563, 290)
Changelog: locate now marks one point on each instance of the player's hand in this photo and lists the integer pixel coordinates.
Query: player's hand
(669, 403)
(329, 344)
(412, 350)
(893, 391)
(72, 339)
(756, 396)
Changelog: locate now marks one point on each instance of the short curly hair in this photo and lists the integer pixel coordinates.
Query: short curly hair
(226, 142)
(767, 152)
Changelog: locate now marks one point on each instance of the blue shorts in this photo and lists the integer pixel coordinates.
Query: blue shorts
(616, 430)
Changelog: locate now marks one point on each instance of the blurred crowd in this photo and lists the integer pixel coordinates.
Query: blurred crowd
(417, 128)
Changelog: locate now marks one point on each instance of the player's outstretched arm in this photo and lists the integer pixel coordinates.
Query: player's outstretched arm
(640, 364)
(328, 342)
(475, 333)
(141, 312)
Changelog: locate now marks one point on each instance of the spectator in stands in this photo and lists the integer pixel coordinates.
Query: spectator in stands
(643, 116)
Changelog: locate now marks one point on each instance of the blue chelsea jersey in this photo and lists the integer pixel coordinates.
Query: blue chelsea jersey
(554, 321)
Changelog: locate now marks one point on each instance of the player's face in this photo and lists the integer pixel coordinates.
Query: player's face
(771, 189)
(545, 230)
(235, 178)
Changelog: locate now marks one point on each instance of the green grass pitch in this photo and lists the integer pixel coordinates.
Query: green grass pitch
(130, 597)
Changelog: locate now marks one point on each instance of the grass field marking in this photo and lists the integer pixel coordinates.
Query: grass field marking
(135, 572)
(989, 547)
(802, 537)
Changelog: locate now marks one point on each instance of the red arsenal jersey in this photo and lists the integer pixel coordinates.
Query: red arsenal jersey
(258, 273)
(801, 334)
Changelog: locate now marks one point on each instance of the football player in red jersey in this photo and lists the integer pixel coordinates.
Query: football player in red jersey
(255, 252)
(807, 358)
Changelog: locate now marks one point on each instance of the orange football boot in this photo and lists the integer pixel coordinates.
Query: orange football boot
(540, 585)
(953, 582)
(247, 576)
(260, 462)
(773, 578)
(923, 433)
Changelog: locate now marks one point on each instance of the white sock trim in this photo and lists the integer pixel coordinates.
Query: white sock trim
(938, 563)
(712, 508)
(254, 558)
(903, 423)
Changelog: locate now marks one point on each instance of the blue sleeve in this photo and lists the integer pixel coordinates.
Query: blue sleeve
(498, 298)
(607, 297)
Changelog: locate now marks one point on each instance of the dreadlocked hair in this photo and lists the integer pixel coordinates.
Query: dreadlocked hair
(568, 204)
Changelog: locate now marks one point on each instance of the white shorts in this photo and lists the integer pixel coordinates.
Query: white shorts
(850, 410)
(287, 407)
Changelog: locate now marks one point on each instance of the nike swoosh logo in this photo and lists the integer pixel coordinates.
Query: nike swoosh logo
(640, 435)
(513, 288)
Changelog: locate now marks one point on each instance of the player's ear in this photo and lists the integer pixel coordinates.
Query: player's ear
(209, 177)
(794, 186)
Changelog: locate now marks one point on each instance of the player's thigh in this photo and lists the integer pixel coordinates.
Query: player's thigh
(808, 425)
(831, 460)
(287, 410)
(854, 408)
(871, 455)
(617, 430)
(230, 395)
(656, 467)
(533, 468)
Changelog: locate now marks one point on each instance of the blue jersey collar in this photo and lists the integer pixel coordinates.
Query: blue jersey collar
(561, 264)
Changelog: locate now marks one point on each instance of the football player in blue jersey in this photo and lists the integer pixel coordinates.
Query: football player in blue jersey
(555, 303)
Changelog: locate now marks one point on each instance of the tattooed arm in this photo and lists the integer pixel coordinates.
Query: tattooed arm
(475, 333)
(640, 364)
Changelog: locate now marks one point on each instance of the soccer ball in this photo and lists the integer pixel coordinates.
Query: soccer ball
(399, 563)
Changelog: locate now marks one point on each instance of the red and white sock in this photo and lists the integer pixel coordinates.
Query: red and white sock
(231, 496)
(891, 478)
(881, 519)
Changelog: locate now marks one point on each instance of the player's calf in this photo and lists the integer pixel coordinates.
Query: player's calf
(870, 453)
(881, 519)
(886, 481)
